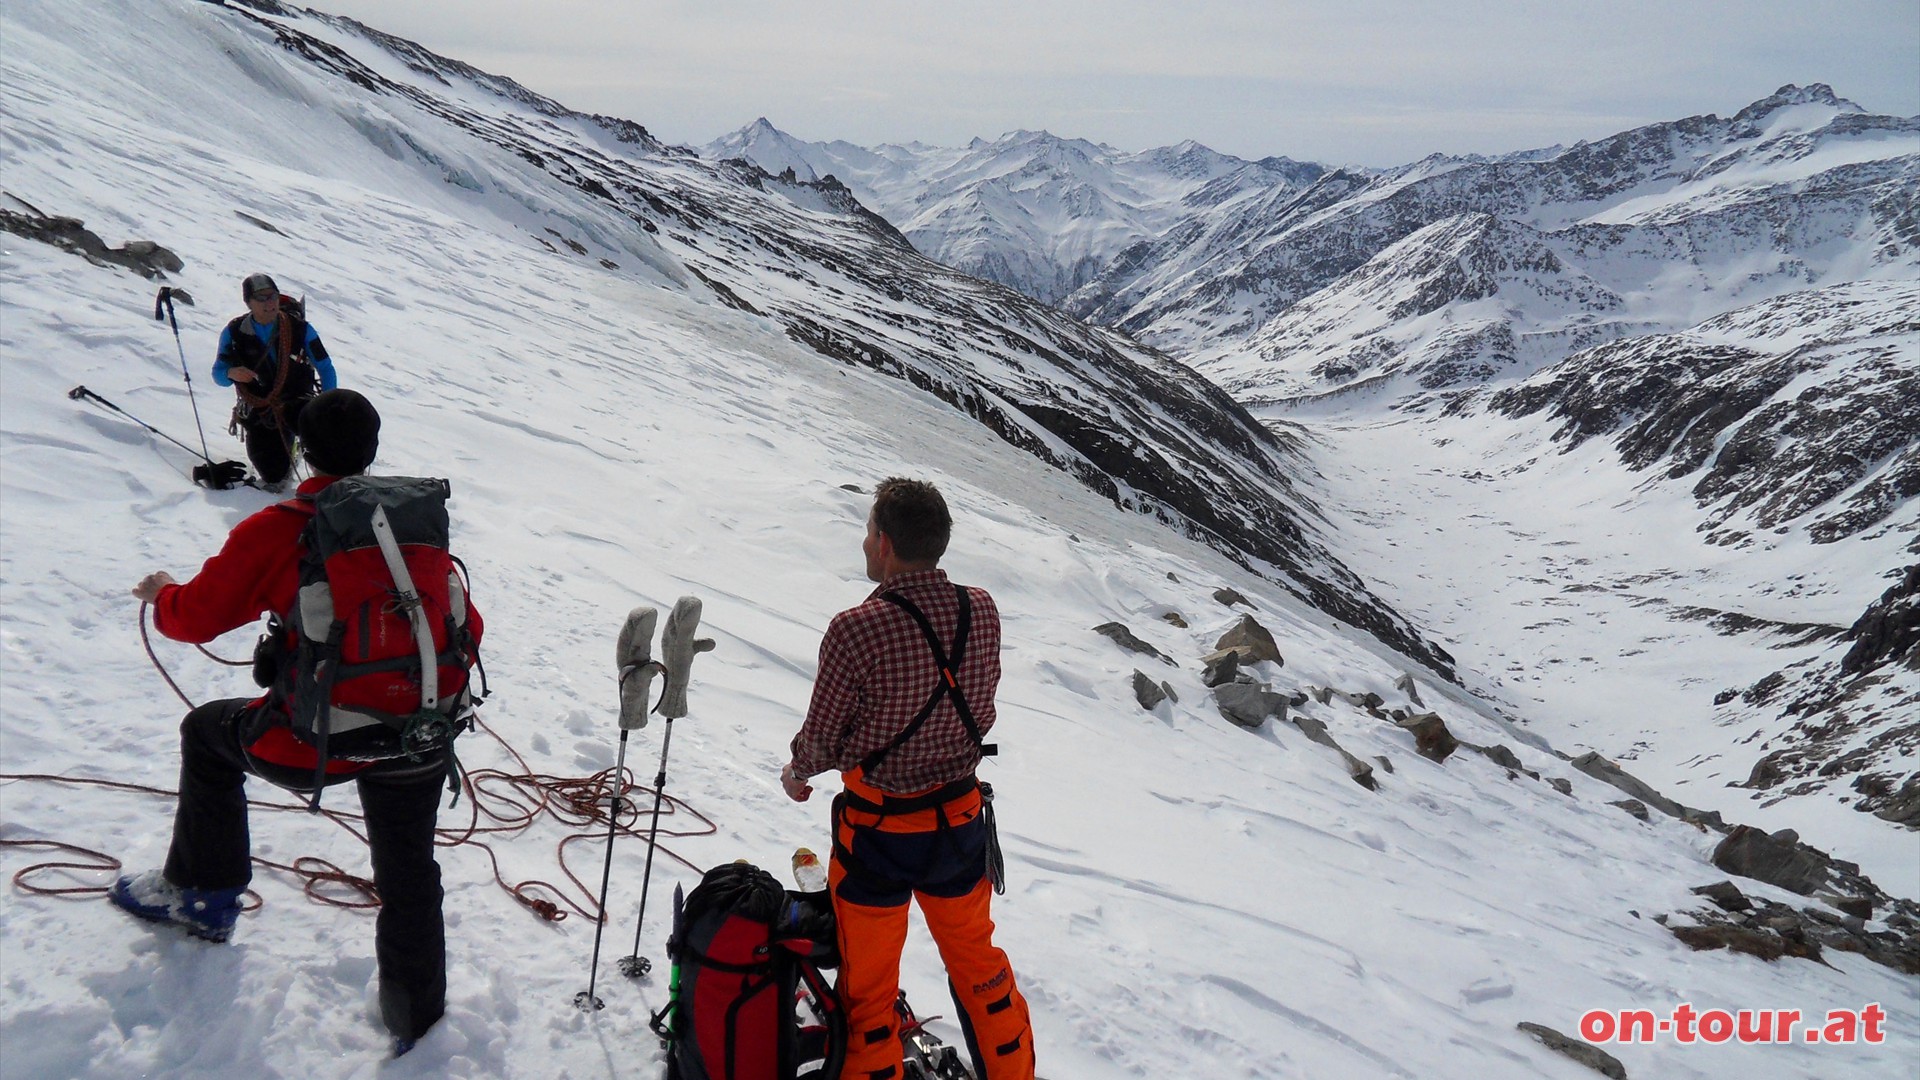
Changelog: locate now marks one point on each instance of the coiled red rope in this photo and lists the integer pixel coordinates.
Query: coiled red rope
(512, 803)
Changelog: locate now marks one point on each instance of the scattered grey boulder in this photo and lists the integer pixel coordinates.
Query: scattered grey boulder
(1859, 907)
(1431, 739)
(1600, 768)
(1249, 632)
(1578, 1049)
(1385, 763)
(1123, 637)
(1407, 686)
(1322, 694)
(261, 224)
(1500, 755)
(1297, 698)
(1778, 859)
(1149, 693)
(1561, 784)
(1769, 943)
(1249, 704)
(1176, 619)
(1221, 667)
(1633, 806)
(1725, 894)
(1360, 771)
(1231, 597)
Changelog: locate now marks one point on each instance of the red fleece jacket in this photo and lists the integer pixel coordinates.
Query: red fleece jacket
(256, 573)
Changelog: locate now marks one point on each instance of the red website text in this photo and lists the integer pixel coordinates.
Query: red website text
(1685, 1024)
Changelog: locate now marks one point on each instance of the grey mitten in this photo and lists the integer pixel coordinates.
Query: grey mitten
(678, 647)
(634, 656)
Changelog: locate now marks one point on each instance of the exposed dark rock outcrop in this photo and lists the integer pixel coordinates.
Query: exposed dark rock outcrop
(1123, 637)
(1249, 635)
(1579, 1050)
(143, 257)
(1764, 436)
(1149, 693)
(1249, 704)
(1855, 716)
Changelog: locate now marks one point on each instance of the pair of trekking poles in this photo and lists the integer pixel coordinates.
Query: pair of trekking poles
(218, 475)
(633, 653)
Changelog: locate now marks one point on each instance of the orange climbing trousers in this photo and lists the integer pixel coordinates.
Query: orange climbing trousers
(930, 846)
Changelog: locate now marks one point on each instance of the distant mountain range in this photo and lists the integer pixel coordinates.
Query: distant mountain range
(1283, 280)
(1037, 213)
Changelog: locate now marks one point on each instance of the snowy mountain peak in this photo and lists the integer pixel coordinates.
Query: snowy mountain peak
(1789, 95)
(766, 146)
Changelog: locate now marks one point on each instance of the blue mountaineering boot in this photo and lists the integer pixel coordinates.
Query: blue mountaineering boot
(208, 914)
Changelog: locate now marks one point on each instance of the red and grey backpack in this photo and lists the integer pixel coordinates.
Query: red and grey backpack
(380, 650)
(749, 998)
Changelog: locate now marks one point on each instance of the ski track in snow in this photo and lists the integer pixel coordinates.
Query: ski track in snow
(1186, 899)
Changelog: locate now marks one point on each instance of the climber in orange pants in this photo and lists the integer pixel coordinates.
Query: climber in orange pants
(937, 855)
(901, 706)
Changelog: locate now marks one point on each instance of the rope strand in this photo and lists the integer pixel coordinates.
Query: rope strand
(512, 803)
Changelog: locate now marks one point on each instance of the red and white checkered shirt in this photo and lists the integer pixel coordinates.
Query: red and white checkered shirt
(876, 673)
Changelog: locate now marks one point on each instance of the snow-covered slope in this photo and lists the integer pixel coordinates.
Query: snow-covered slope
(1037, 213)
(1188, 898)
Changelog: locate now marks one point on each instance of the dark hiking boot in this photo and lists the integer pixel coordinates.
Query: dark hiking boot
(208, 914)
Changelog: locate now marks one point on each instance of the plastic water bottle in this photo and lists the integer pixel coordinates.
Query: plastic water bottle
(808, 874)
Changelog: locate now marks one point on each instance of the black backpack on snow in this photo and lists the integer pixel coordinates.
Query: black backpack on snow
(749, 999)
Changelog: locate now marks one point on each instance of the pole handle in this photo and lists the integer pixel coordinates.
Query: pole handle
(633, 658)
(678, 647)
(165, 301)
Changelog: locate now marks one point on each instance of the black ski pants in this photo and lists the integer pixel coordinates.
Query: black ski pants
(270, 446)
(400, 800)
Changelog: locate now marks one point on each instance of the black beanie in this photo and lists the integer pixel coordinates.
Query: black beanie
(340, 433)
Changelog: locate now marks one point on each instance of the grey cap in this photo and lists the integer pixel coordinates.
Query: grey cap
(256, 283)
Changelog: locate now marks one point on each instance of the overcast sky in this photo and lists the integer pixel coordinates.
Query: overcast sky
(1370, 82)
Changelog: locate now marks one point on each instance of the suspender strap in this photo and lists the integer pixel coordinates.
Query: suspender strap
(947, 687)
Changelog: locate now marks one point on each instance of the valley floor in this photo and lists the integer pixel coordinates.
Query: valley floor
(1578, 599)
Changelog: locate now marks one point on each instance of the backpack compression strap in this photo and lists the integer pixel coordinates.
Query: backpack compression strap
(947, 686)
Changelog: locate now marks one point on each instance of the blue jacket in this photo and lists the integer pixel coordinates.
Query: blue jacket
(229, 352)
